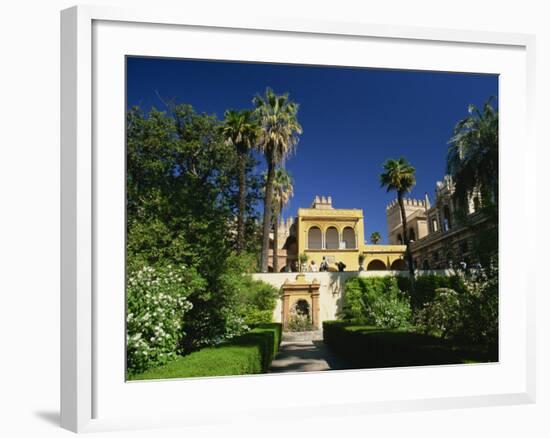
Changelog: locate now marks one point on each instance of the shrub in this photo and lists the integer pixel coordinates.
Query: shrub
(229, 306)
(480, 323)
(251, 353)
(299, 323)
(254, 300)
(443, 316)
(258, 299)
(426, 285)
(157, 300)
(253, 316)
(469, 315)
(376, 301)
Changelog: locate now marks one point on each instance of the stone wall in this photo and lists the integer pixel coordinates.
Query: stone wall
(331, 289)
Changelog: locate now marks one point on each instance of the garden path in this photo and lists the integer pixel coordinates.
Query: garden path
(302, 354)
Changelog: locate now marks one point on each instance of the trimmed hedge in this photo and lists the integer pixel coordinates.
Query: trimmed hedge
(251, 353)
(371, 347)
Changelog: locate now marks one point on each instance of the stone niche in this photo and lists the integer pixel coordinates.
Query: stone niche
(296, 294)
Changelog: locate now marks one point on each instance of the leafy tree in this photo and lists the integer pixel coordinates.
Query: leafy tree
(241, 131)
(472, 161)
(283, 190)
(399, 176)
(181, 201)
(472, 157)
(277, 115)
(375, 238)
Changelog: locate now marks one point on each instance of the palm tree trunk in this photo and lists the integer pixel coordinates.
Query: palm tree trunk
(276, 241)
(408, 254)
(268, 201)
(241, 203)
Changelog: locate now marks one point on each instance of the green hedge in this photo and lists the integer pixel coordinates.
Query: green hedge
(251, 353)
(371, 347)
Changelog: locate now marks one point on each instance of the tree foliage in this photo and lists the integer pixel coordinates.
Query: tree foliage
(241, 130)
(399, 176)
(280, 129)
(472, 157)
(181, 202)
(375, 238)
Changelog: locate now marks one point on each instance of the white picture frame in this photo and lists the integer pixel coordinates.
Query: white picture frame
(87, 378)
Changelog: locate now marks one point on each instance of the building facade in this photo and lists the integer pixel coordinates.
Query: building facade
(337, 235)
(438, 239)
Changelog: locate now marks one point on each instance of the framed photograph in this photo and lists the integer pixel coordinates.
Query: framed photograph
(278, 218)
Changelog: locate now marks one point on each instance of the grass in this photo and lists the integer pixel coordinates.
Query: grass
(371, 347)
(251, 353)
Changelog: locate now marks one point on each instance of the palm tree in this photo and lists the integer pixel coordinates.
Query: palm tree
(472, 157)
(375, 238)
(282, 192)
(399, 176)
(241, 130)
(278, 139)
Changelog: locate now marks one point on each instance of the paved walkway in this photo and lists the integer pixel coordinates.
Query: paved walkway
(305, 355)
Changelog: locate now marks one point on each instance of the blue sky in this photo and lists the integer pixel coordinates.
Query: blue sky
(352, 118)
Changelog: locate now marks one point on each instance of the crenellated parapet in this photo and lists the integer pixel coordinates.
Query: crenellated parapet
(322, 202)
(409, 202)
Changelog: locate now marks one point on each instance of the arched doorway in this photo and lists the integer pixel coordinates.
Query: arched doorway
(426, 265)
(376, 265)
(399, 265)
(301, 308)
(332, 240)
(300, 304)
(348, 236)
(314, 238)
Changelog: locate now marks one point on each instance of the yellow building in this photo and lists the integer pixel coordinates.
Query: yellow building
(337, 235)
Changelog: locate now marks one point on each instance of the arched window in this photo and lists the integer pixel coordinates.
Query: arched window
(398, 265)
(332, 240)
(399, 240)
(476, 204)
(412, 234)
(446, 218)
(426, 265)
(376, 265)
(435, 227)
(348, 236)
(314, 238)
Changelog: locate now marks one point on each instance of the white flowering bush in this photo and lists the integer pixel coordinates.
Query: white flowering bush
(469, 316)
(443, 316)
(157, 301)
(480, 304)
